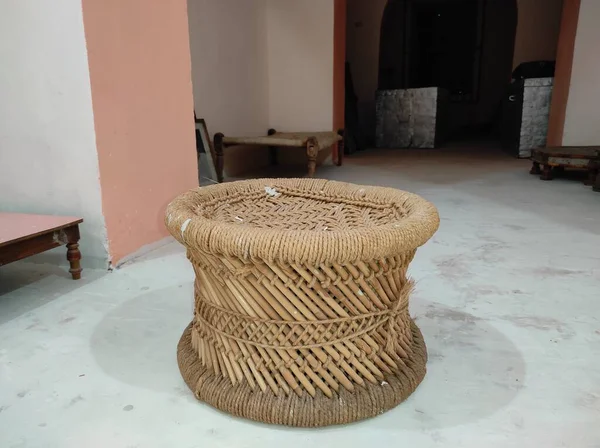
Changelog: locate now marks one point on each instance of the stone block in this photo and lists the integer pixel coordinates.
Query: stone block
(407, 117)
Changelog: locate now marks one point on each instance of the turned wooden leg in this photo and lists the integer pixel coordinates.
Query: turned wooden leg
(546, 173)
(591, 177)
(312, 150)
(596, 183)
(340, 148)
(74, 257)
(272, 149)
(219, 146)
(535, 169)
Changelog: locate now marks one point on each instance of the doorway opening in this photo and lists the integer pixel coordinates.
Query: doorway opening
(466, 50)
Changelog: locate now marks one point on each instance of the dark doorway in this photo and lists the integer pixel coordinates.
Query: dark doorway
(446, 44)
(463, 46)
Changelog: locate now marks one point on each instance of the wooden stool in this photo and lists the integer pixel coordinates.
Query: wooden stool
(562, 157)
(301, 298)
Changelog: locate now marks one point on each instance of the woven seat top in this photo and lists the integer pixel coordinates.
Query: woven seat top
(291, 139)
(301, 220)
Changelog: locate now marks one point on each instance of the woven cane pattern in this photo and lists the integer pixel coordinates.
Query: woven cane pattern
(283, 209)
(274, 320)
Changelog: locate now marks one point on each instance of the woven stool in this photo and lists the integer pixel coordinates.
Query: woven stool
(301, 298)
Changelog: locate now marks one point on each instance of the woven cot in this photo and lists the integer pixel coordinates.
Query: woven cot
(301, 298)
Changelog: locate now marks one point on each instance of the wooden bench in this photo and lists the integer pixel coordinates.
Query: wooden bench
(312, 141)
(23, 235)
(547, 161)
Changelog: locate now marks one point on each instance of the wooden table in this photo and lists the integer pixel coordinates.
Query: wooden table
(23, 235)
(545, 160)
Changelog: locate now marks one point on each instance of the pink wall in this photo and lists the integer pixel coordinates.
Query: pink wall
(581, 117)
(564, 67)
(537, 30)
(140, 73)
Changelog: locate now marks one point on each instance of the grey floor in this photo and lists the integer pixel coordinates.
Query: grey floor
(508, 298)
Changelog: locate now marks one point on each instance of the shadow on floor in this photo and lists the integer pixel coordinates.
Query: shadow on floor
(25, 286)
(136, 344)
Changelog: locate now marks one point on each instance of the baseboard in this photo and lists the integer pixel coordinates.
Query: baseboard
(143, 251)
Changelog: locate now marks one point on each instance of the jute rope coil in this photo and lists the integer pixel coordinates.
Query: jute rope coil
(301, 298)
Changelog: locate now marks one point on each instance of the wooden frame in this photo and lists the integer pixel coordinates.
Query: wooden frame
(65, 231)
(546, 161)
(204, 146)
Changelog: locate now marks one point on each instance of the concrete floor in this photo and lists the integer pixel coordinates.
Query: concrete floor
(508, 298)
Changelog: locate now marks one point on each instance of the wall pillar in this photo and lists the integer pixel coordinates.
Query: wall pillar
(564, 67)
(140, 72)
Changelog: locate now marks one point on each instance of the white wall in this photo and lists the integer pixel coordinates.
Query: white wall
(48, 159)
(258, 64)
(230, 73)
(262, 63)
(300, 60)
(581, 122)
(229, 64)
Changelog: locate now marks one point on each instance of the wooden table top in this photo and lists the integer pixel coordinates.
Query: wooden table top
(18, 226)
(570, 151)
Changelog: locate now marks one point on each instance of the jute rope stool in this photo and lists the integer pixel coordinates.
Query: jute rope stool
(301, 298)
